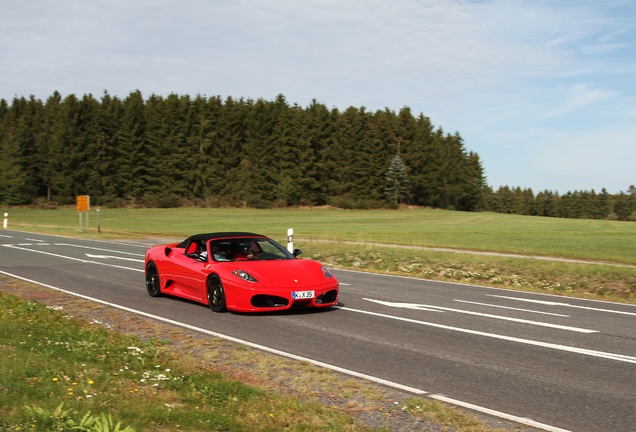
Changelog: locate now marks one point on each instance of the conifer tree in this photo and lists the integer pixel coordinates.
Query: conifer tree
(396, 181)
(622, 206)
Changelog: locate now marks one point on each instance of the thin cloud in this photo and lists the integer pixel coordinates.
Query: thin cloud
(581, 96)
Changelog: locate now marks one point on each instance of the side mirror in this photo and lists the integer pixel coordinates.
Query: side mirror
(296, 252)
(168, 251)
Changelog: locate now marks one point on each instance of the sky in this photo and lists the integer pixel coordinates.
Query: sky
(544, 91)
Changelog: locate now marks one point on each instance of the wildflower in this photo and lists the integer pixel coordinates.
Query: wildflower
(54, 379)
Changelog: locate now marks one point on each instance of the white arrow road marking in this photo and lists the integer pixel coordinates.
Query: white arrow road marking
(519, 320)
(584, 351)
(550, 303)
(73, 258)
(512, 308)
(404, 305)
(114, 257)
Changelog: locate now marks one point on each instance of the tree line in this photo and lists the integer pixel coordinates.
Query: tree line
(573, 205)
(209, 151)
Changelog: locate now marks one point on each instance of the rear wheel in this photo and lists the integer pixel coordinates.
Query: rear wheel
(216, 294)
(152, 280)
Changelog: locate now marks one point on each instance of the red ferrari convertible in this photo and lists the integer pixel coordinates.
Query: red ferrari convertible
(239, 271)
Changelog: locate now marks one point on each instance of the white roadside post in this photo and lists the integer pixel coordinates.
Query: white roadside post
(290, 240)
(6, 218)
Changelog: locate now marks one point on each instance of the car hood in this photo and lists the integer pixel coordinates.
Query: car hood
(285, 273)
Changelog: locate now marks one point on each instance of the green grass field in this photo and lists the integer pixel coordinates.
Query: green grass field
(600, 241)
(610, 241)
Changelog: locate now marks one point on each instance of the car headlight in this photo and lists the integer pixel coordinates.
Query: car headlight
(327, 272)
(244, 275)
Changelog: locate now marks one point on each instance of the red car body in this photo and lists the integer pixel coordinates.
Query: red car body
(243, 272)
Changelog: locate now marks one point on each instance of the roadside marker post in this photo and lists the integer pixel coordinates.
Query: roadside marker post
(6, 220)
(290, 240)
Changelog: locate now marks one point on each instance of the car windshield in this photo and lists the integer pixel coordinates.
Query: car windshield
(248, 249)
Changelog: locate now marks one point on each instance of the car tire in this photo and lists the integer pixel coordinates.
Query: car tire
(153, 282)
(216, 294)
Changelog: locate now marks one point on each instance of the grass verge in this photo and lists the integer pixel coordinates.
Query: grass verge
(599, 282)
(106, 370)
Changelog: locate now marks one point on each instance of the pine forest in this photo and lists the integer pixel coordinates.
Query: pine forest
(209, 152)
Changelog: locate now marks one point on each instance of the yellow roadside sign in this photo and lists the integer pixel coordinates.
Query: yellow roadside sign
(83, 203)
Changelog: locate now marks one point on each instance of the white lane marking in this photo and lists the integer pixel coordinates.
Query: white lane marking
(499, 414)
(99, 249)
(584, 351)
(1, 235)
(109, 242)
(350, 372)
(115, 257)
(512, 308)
(464, 285)
(75, 259)
(550, 303)
(342, 283)
(504, 318)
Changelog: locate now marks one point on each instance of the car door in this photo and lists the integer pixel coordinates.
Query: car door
(188, 276)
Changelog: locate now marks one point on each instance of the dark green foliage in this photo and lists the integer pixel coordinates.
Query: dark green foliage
(174, 151)
(623, 206)
(166, 152)
(573, 205)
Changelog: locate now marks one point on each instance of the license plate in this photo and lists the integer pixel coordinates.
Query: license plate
(303, 295)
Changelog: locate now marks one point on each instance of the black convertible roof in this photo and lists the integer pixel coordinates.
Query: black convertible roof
(218, 235)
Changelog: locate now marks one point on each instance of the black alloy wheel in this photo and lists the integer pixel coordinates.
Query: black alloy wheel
(153, 284)
(216, 294)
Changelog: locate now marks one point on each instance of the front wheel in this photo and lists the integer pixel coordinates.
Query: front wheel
(153, 284)
(216, 294)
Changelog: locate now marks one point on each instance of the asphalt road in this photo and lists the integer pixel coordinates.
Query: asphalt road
(556, 363)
